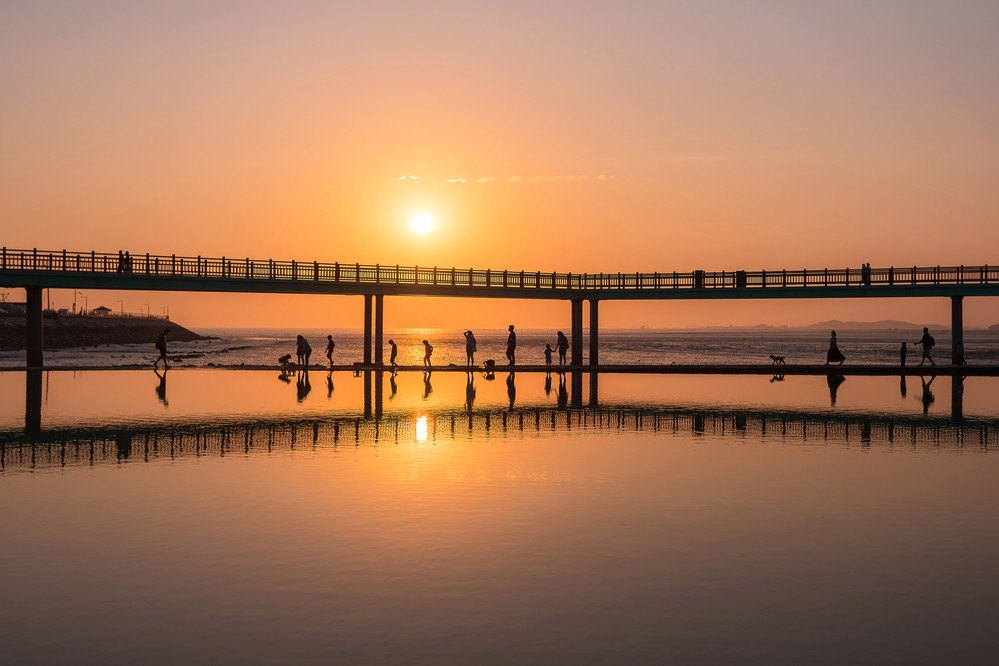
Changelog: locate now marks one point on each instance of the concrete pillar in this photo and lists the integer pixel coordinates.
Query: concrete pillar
(379, 319)
(367, 329)
(594, 332)
(34, 342)
(577, 332)
(957, 329)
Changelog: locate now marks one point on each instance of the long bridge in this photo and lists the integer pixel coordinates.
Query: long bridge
(87, 446)
(35, 270)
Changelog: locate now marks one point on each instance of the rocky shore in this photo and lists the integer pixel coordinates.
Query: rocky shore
(74, 331)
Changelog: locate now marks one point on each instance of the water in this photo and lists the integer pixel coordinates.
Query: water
(264, 346)
(228, 516)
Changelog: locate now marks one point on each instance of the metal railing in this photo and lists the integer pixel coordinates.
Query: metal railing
(149, 265)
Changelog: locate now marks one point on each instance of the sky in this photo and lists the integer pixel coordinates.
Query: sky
(553, 136)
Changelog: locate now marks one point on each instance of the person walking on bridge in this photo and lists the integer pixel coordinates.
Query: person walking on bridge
(392, 353)
(511, 346)
(304, 350)
(927, 343)
(428, 349)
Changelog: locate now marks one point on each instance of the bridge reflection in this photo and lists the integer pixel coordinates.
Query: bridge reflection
(35, 447)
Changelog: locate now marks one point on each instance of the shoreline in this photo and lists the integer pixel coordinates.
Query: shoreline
(760, 369)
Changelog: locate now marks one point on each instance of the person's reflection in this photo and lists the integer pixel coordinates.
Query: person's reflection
(469, 392)
(901, 386)
(303, 384)
(285, 376)
(392, 385)
(563, 393)
(834, 381)
(329, 385)
(777, 378)
(161, 389)
(511, 390)
(427, 388)
(548, 384)
(927, 393)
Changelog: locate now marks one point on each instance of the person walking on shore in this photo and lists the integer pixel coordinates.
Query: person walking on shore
(902, 353)
(161, 346)
(392, 353)
(304, 351)
(511, 346)
(428, 349)
(470, 348)
(927, 342)
(329, 348)
(834, 355)
(562, 345)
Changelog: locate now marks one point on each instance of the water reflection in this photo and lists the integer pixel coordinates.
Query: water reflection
(161, 388)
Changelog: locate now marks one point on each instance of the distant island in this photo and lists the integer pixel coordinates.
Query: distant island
(65, 331)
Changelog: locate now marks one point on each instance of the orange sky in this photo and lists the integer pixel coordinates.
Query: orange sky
(615, 137)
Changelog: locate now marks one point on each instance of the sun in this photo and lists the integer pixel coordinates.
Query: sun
(422, 223)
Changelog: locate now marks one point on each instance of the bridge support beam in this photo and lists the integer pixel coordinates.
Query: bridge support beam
(367, 329)
(379, 321)
(594, 332)
(577, 332)
(957, 330)
(34, 342)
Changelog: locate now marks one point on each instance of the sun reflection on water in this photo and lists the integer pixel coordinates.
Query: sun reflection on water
(421, 427)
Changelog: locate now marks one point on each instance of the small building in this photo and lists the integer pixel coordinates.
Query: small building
(101, 311)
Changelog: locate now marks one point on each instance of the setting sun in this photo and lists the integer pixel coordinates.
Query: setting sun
(422, 223)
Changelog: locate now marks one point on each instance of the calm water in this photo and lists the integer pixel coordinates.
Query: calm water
(264, 346)
(233, 516)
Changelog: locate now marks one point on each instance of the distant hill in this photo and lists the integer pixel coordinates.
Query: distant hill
(993, 327)
(74, 331)
(883, 325)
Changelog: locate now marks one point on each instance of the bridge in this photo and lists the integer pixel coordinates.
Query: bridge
(88, 446)
(35, 270)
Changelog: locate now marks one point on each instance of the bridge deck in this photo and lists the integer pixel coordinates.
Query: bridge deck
(94, 270)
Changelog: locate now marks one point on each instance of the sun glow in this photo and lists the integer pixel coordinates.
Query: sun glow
(422, 223)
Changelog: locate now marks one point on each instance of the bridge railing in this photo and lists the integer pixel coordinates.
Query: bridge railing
(63, 261)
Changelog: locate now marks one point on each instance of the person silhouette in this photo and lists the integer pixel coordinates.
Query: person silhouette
(548, 384)
(834, 354)
(392, 385)
(329, 385)
(392, 354)
(121, 262)
(470, 348)
(511, 346)
(161, 388)
(511, 390)
(927, 343)
(304, 351)
(330, 345)
(548, 357)
(161, 345)
(428, 349)
(901, 385)
(902, 353)
(562, 345)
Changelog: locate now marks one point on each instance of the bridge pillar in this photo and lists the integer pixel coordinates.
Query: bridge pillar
(577, 332)
(594, 391)
(957, 330)
(379, 320)
(594, 332)
(367, 329)
(956, 396)
(34, 327)
(576, 390)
